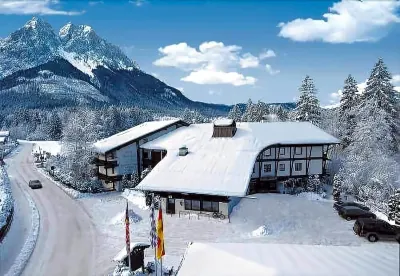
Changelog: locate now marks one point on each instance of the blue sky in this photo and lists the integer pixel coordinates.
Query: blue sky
(229, 51)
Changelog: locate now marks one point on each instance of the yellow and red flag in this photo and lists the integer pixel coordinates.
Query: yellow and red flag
(160, 236)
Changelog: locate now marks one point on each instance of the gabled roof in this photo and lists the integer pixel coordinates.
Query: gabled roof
(130, 135)
(221, 166)
(238, 259)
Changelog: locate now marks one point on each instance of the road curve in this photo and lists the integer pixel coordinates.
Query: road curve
(66, 242)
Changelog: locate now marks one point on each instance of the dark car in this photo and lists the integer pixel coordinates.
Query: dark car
(339, 204)
(351, 212)
(35, 184)
(376, 229)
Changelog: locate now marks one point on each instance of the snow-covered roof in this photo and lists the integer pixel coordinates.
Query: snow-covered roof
(221, 166)
(131, 134)
(122, 254)
(4, 133)
(238, 259)
(2, 139)
(223, 122)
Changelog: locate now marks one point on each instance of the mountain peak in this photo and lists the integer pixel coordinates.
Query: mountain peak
(36, 23)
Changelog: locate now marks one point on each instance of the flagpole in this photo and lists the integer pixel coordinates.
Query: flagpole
(155, 247)
(129, 233)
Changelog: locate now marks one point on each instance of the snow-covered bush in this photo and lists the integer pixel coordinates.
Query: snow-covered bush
(6, 199)
(145, 172)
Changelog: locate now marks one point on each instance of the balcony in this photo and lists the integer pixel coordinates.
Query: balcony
(113, 178)
(106, 164)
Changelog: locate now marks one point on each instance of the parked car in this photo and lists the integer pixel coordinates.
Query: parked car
(339, 204)
(376, 229)
(35, 184)
(351, 212)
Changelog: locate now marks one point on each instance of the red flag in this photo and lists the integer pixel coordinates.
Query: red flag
(127, 237)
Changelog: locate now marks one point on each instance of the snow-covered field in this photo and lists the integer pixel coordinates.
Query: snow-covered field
(270, 218)
(54, 147)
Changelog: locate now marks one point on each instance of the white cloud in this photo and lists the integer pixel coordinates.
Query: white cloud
(336, 96)
(346, 22)
(94, 3)
(42, 7)
(212, 63)
(270, 70)
(396, 79)
(267, 54)
(138, 3)
(249, 61)
(218, 77)
(213, 92)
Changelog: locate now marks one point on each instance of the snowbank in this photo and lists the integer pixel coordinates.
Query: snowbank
(136, 198)
(30, 243)
(120, 218)
(238, 259)
(6, 199)
(69, 191)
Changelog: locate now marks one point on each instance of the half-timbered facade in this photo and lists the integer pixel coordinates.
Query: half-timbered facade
(280, 162)
(121, 154)
(226, 161)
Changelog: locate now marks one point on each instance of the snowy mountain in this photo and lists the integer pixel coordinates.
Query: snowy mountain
(40, 68)
(33, 44)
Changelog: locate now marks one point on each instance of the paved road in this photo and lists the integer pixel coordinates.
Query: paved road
(18, 232)
(67, 236)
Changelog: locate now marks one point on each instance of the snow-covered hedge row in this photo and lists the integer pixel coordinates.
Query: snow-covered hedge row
(6, 199)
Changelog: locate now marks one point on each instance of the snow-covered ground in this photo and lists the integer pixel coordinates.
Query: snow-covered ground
(269, 218)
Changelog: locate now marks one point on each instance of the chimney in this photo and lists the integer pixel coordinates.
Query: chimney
(224, 128)
(183, 151)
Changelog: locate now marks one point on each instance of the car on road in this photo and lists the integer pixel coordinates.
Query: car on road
(35, 184)
(352, 212)
(376, 229)
(339, 204)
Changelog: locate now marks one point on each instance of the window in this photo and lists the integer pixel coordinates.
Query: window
(281, 167)
(282, 151)
(210, 206)
(145, 155)
(254, 169)
(267, 152)
(267, 168)
(298, 167)
(188, 204)
(197, 205)
(298, 150)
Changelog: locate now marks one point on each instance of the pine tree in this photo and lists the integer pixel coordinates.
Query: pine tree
(235, 113)
(249, 114)
(260, 112)
(307, 106)
(282, 114)
(347, 110)
(187, 116)
(380, 92)
(394, 206)
(337, 187)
